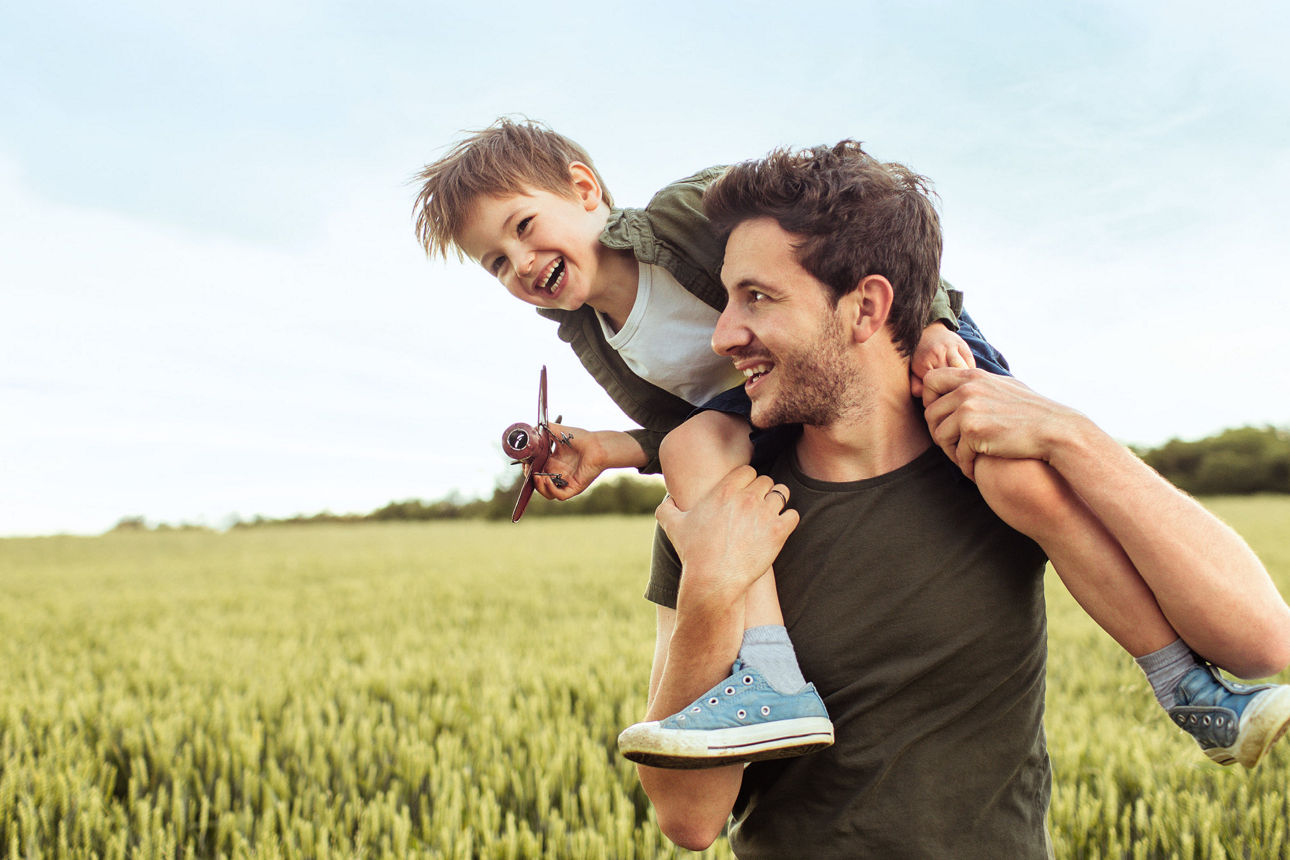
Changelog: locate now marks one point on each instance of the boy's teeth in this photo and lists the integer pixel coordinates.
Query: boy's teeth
(550, 282)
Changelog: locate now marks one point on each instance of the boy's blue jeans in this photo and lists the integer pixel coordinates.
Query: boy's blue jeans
(987, 357)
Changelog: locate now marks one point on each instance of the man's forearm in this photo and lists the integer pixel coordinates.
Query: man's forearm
(728, 539)
(693, 805)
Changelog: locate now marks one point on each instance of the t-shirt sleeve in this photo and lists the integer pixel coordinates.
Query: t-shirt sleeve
(665, 572)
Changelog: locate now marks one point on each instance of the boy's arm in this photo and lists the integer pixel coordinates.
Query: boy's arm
(946, 305)
(581, 455)
(649, 441)
(940, 345)
(1203, 574)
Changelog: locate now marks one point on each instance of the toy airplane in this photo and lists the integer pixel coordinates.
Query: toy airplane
(532, 445)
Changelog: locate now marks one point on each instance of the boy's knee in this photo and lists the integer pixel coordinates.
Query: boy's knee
(718, 438)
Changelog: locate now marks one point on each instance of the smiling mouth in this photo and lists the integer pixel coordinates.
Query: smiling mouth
(553, 277)
(754, 372)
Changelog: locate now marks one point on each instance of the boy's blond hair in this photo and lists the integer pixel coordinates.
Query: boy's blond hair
(509, 157)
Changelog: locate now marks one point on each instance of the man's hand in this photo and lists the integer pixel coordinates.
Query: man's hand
(938, 347)
(971, 412)
(732, 535)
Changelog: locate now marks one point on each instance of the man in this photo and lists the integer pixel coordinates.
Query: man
(914, 609)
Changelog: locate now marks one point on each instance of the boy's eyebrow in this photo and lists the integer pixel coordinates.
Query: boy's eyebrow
(490, 252)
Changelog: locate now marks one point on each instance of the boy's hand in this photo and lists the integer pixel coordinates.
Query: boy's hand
(938, 347)
(581, 455)
(578, 458)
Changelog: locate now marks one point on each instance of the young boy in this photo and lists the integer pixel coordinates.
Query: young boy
(636, 293)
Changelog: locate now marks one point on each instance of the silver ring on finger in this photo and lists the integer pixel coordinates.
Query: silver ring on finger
(782, 497)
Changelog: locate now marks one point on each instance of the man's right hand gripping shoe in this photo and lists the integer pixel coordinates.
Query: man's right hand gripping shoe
(742, 719)
(1231, 721)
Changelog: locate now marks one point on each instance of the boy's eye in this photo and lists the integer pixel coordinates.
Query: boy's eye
(495, 266)
(523, 225)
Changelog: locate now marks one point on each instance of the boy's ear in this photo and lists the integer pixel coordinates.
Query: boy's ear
(585, 185)
(868, 306)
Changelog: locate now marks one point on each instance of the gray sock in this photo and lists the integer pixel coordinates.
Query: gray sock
(1165, 668)
(770, 650)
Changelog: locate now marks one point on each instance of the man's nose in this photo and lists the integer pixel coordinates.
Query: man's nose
(729, 335)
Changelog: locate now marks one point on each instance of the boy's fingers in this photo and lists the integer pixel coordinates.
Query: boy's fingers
(544, 487)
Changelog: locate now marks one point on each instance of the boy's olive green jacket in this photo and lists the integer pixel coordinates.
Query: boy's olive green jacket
(672, 232)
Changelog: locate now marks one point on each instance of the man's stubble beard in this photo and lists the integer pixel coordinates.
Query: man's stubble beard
(813, 382)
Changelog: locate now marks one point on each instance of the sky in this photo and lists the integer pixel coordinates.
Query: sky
(212, 303)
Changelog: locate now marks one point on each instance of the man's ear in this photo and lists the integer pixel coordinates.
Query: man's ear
(585, 185)
(868, 306)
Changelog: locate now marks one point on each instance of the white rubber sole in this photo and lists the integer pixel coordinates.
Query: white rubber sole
(647, 744)
(1263, 722)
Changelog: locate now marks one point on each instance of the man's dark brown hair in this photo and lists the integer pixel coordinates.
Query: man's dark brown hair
(852, 215)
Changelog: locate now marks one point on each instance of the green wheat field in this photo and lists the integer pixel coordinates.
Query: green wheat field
(454, 690)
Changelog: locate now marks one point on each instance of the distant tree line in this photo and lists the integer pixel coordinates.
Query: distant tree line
(625, 494)
(1242, 461)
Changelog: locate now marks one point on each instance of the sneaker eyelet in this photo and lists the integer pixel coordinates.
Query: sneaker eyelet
(696, 709)
(714, 701)
(680, 718)
(765, 710)
(742, 714)
(1218, 722)
(1192, 719)
(748, 679)
(1180, 719)
(730, 691)
(1206, 720)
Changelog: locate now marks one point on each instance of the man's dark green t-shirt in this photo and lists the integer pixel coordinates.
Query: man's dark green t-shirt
(919, 616)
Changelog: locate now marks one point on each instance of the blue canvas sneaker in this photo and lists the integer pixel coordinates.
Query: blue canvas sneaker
(742, 719)
(1231, 721)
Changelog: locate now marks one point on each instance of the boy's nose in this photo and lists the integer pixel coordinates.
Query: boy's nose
(524, 263)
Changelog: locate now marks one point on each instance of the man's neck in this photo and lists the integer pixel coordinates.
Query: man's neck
(887, 432)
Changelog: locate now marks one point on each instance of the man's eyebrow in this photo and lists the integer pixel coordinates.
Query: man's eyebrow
(750, 282)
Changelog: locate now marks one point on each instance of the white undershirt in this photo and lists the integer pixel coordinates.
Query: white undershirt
(667, 339)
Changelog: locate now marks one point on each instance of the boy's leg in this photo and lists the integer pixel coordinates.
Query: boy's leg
(1032, 498)
(765, 709)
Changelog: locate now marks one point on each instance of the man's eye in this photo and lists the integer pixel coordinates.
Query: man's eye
(755, 296)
